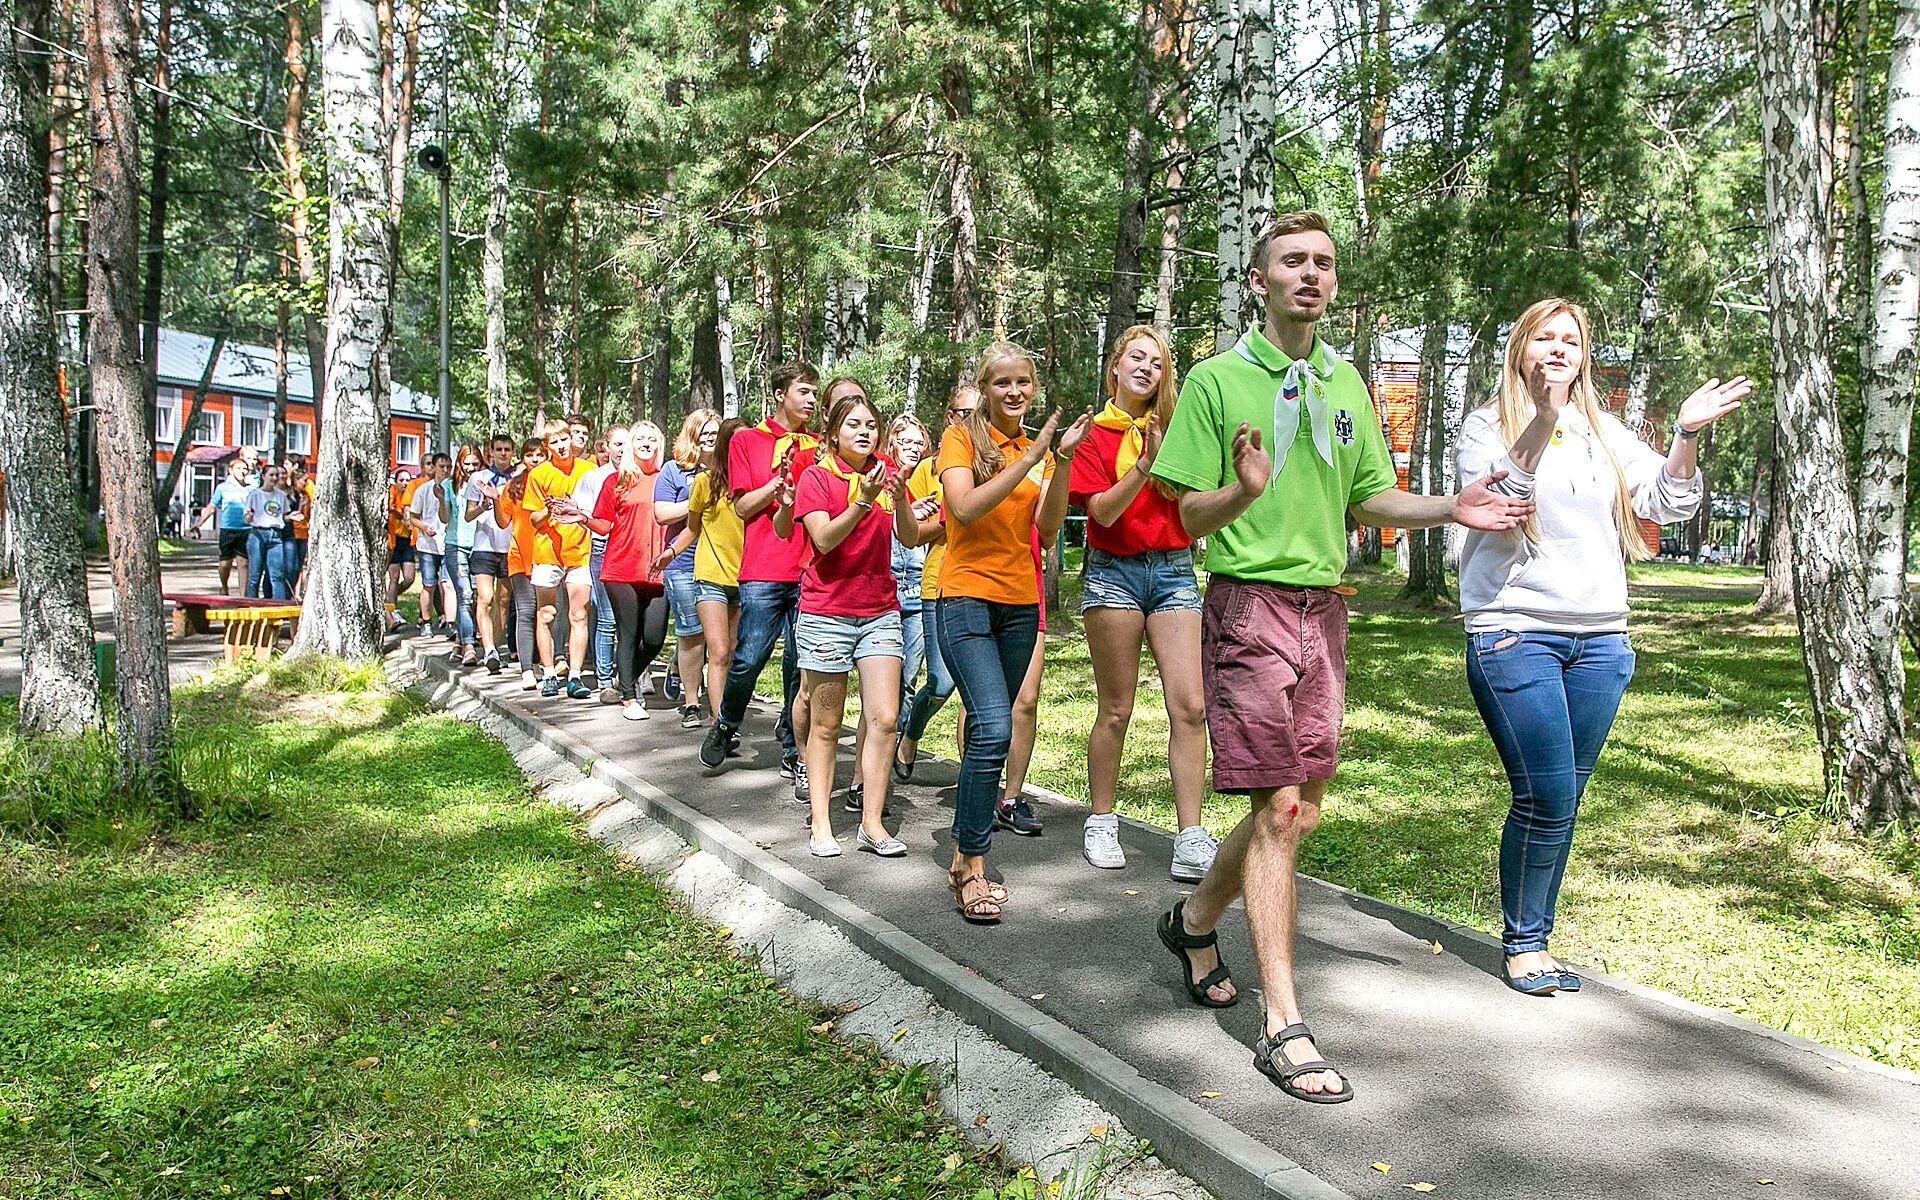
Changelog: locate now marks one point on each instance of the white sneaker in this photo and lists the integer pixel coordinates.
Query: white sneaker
(646, 685)
(1101, 842)
(633, 710)
(1193, 851)
(529, 680)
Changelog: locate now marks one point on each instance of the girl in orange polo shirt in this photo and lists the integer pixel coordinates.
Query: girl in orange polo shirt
(1000, 488)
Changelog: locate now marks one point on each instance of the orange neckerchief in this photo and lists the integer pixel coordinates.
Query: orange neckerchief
(832, 465)
(1132, 431)
(799, 439)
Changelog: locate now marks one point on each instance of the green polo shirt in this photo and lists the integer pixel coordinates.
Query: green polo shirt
(1296, 532)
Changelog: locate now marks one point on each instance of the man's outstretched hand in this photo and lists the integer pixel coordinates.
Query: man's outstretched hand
(1478, 506)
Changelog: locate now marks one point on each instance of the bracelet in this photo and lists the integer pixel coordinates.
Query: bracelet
(1059, 457)
(1681, 431)
(863, 504)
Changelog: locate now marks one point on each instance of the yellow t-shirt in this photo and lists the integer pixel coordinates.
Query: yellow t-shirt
(716, 556)
(924, 482)
(992, 559)
(556, 544)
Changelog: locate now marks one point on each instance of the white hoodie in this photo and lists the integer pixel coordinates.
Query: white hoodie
(1572, 579)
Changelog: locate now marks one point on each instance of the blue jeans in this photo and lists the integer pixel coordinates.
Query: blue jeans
(767, 611)
(1549, 700)
(604, 628)
(269, 555)
(918, 713)
(913, 636)
(988, 647)
(459, 564)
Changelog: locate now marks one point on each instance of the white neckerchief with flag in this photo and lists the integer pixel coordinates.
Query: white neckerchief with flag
(1303, 385)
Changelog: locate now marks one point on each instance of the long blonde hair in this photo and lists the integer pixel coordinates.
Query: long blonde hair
(631, 467)
(686, 447)
(1514, 403)
(1164, 399)
(987, 458)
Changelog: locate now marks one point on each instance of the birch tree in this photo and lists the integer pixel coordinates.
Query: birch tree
(58, 691)
(1855, 713)
(143, 696)
(493, 258)
(348, 531)
(1243, 66)
(1887, 372)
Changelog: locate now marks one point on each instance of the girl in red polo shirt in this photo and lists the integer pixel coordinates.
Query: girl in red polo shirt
(630, 569)
(849, 618)
(1138, 582)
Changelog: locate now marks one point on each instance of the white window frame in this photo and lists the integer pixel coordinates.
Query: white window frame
(214, 421)
(300, 437)
(166, 416)
(401, 453)
(264, 443)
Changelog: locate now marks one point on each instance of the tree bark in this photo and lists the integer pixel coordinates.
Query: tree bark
(1244, 57)
(723, 344)
(1640, 369)
(493, 258)
(143, 699)
(703, 379)
(154, 252)
(926, 248)
(300, 201)
(60, 112)
(1130, 225)
(1173, 45)
(962, 190)
(1855, 713)
(58, 689)
(1426, 561)
(1776, 547)
(1887, 370)
(345, 594)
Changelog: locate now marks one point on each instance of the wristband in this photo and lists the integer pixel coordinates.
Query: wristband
(863, 504)
(1681, 431)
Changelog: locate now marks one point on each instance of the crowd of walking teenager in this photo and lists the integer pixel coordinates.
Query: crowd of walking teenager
(867, 548)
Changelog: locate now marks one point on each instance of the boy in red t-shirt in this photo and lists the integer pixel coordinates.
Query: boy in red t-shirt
(762, 465)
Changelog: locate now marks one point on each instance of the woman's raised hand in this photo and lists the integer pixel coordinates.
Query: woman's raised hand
(1075, 434)
(1711, 401)
(874, 481)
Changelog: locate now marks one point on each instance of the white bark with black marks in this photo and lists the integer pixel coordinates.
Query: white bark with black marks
(58, 691)
(348, 544)
(1856, 715)
(1243, 65)
(493, 256)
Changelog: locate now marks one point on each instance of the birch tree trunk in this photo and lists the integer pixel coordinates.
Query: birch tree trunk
(345, 596)
(493, 257)
(1174, 46)
(723, 337)
(58, 691)
(1776, 550)
(1243, 68)
(1855, 713)
(1887, 374)
(1640, 369)
(926, 247)
(300, 202)
(143, 697)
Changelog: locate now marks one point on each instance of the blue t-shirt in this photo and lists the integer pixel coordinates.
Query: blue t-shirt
(674, 486)
(232, 499)
(459, 529)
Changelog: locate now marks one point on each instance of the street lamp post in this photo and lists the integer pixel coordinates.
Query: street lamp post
(433, 160)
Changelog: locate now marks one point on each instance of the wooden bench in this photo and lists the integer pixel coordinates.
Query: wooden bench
(253, 629)
(191, 609)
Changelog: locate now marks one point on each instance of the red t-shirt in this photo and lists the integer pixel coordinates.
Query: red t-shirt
(1150, 522)
(635, 538)
(855, 579)
(766, 556)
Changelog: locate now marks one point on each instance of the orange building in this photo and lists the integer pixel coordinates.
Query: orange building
(238, 412)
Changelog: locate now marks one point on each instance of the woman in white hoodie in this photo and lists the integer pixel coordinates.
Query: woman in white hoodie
(1546, 605)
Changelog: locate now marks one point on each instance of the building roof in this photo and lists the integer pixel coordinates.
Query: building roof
(247, 370)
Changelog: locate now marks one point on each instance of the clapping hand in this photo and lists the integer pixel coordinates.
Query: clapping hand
(1479, 506)
(926, 508)
(1075, 434)
(1037, 448)
(1252, 466)
(1149, 445)
(874, 481)
(1711, 401)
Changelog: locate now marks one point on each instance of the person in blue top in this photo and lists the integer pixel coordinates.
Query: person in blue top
(671, 494)
(229, 500)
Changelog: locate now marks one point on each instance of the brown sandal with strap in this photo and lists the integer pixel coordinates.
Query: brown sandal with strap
(999, 892)
(983, 909)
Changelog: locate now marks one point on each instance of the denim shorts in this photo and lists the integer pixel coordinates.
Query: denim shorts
(680, 600)
(832, 645)
(718, 593)
(1151, 582)
(432, 568)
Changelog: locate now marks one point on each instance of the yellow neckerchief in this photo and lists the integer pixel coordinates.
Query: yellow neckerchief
(832, 465)
(799, 439)
(1132, 431)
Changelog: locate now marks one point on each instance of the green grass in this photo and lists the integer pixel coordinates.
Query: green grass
(370, 963)
(1704, 864)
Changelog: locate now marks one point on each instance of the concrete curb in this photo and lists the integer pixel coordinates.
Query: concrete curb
(1221, 1158)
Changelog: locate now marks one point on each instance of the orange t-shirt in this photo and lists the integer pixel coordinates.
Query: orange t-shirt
(520, 534)
(992, 559)
(297, 519)
(399, 499)
(556, 544)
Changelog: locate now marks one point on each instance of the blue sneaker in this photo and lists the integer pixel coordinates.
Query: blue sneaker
(1017, 817)
(577, 689)
(550, 686)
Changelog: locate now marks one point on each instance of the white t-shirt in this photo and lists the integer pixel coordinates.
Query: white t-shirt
(489, 536)
(268, 510)
(586, 493)
(428, 537)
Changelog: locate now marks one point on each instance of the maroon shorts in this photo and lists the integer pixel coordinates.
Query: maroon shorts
(1275, 664)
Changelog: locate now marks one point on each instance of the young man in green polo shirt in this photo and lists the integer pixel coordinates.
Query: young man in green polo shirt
(1272, 444)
